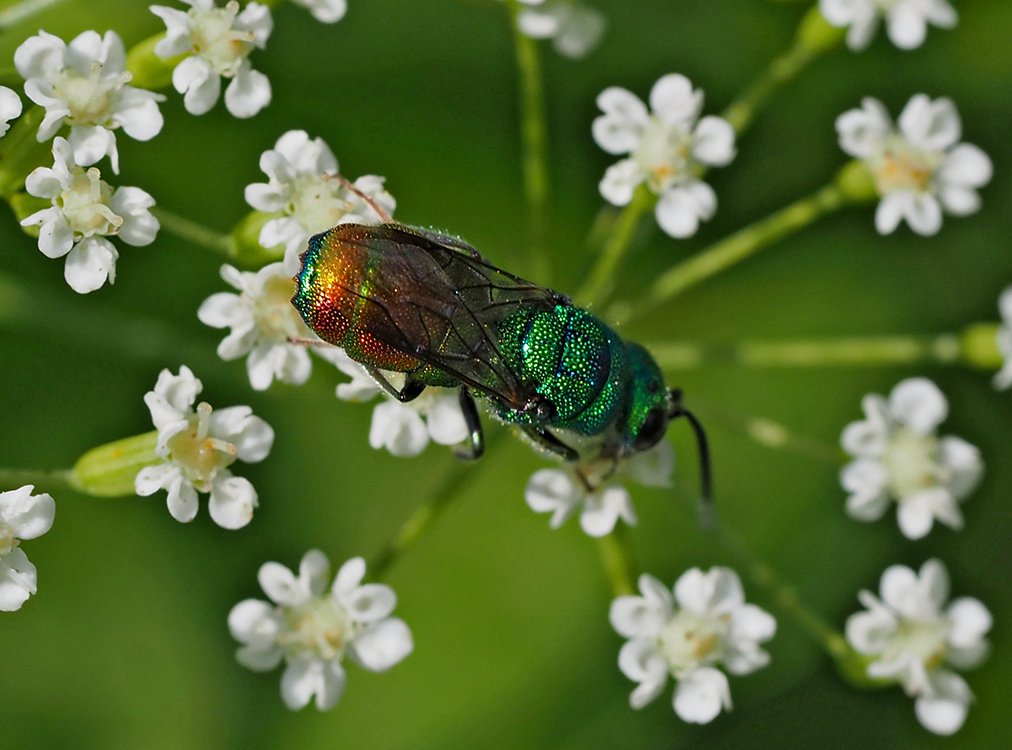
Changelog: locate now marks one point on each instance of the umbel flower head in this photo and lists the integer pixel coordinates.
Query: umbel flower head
(906, 20)
(312, 628)
(10, 107)
(899, 457)
(563, 492)
(303, 190)
(85, 211)
(262, 322)
(84, 84)
(403, 429)
(919, 169)
(669, 147)
(22, 516)
(912, 640)
(217, 42)
(197, 446)
(705, 624)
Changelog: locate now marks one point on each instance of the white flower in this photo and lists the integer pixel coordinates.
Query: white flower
(1004, 377)
(898, 456)
(906, 20)
(83, 84)
(217, 42)
(325, 11)
(687, 636)
(403, 429)
(85, 211)
(197, 447)
(312, 628)
(302, 188)
(562, 492)
(573, 28)
(263, 321)
(10, 107)
(22, 516)
(920, 168)
(668, 150)
(913, 639)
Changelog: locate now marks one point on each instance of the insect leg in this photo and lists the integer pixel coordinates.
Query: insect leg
(546, 440)
(412, 388)
(706, 477)
(369, 201)
(476, 438)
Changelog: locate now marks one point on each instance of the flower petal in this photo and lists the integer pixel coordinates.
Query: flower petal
(381, 646)
(701, 694)
(232, 501)
(919, 404)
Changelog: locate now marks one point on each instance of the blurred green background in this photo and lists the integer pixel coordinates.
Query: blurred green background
(125, 645)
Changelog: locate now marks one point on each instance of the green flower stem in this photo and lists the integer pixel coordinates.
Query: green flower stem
(848, 351)
(22, 11)
(534, 139)
(193, 232)
(43, 479)
(602, 275)
(815, 37)
(422, 520)
(736, 248)
(618, 561)
(852, 666)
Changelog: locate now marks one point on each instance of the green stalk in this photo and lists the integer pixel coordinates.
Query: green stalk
(618, 561)
(43, 479)
(602, 275)
(734, 249)
(191, 231)
(22, 11)
(534, 138)
(814, 38)
(423, 519)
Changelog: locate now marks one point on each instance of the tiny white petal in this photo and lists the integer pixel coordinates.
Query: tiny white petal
(232, 501)
(381, 646)
(701, 695)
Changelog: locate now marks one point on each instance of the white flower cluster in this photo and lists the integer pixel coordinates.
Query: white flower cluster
(303, 190)
(84, 84)
(668, 146)
(217, 42)
(85, 211)
(197, 446)
(704, 624)
(919, 169)
(899, 457)
(906, 20)
(22, 516)
(913, 640)
(563, 492)
(312, 628)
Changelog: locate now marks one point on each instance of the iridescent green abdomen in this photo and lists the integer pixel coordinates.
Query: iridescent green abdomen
(573, 360)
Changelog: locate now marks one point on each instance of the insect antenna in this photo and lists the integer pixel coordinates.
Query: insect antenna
(369, 200)
(703, 447)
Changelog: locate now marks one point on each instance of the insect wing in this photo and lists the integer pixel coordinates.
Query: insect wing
(442, 304)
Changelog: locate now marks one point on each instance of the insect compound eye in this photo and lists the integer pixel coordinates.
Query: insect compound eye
(652, 429)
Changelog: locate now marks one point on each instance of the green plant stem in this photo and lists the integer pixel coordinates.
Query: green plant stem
(602, 276)
(193, 232)
(534, 139)
(846, 351)
(782, 69)
(43, 479)
(736, 248)
(618, 561)
(422, 520)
